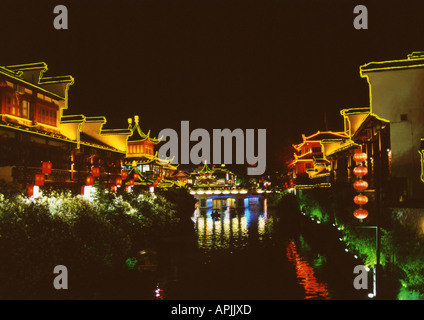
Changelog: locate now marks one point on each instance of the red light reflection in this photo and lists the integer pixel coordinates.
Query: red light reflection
(305, 274)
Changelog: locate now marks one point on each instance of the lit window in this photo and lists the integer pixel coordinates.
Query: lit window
(25, 108)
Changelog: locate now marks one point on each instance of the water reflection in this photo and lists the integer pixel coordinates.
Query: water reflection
(305, 274)
(232, 228)
(243, 255)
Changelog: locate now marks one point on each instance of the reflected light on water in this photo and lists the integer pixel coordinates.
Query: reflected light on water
(305, 274)
(233, 228)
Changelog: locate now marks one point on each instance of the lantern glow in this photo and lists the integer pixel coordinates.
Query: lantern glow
(360, 156)
(124, 174)
(360, 185)
(360, 213)
(46, 167)
(30, 190)
(360, 199)
(95, 172)
(136, 176)
(89, 181)
(360, 171)
(118, 181)
(39, 179)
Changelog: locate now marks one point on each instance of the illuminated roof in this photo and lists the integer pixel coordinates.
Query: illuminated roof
(355, 110)
(89, 140)
(206, 169)
(318, 136)
(138, 134)
(54, 134)
(39, 129)
(31, 75)
(414, 60)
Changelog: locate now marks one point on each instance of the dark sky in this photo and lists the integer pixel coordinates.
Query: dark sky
(278, 65)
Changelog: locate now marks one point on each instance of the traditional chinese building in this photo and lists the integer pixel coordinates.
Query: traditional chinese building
(309, 167)
(142, 164)
(397, 102)
(35, 129)
(214, 177)
(390, 131)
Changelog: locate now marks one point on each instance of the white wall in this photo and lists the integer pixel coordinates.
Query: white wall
(395, 92)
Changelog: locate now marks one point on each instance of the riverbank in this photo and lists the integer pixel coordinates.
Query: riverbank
(330, 223)
(99, 240)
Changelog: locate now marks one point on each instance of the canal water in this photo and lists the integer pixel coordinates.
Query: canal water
(246, 255)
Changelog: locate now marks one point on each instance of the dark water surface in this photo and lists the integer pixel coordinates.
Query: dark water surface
(244, 255)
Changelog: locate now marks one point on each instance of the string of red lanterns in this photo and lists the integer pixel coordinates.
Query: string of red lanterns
(39, 178)
(359, 171)
(46, 168)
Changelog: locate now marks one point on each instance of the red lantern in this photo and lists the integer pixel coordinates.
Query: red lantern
(89, 181)
(46, 167)
(30, 191)
(124, 174)
(136, 176)
(360, 171)
(95, 171)
(39, 179)
(118, 181)
(360, 184)
(360, 214)
(158, 178)
(131, 182)
(155, 183)
(360, 199)
(359, 156)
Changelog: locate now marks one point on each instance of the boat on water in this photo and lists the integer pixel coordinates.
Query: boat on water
(215, 214)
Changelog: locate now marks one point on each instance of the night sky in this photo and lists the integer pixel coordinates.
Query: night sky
(279, 65)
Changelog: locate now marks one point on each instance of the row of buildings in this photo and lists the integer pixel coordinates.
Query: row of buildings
(390, 131)
(36, 129)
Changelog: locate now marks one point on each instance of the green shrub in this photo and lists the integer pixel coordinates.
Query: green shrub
(92, 238)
